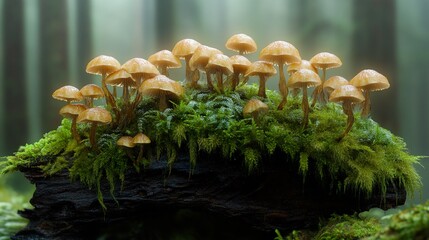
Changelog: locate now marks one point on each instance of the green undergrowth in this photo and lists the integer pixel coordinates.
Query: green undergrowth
(369, 157)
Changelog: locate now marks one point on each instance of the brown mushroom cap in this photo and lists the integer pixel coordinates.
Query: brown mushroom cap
(102, 65)
(304, 64)
(141, 138)
(95, 115)
(347, 93)
(201, 56)
(185, 48)
(280, 52)
(334, 82)
(161, 85)
(72, 110)
(239, 63)
(67, 93)
(304, 78)
(241, 43)
(164, 58)
(126, 141)
(325, 60)
(261, 68)
(254, 105)
(370, 80)
(220, 63)
(120, 78)
(92, 91)
(140, 68)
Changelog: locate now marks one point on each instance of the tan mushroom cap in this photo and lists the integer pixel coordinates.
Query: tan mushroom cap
(95, 115)
(370, 80)
(304, 64)
(239, 63)
(120, 78)
(304, 78)
(161, 85)
(92, 91)
(220, 63)
(261, 68)
(334, 82)
(164, 58)
(67, 93)
(201, 57)
(140, 68)
(141, 138)
(72, 110)
(102, 65)
(280, 52)
(126, 141)
(241, 43)
(254, 105)
(185, 47)
(325, 60)
(347, 93)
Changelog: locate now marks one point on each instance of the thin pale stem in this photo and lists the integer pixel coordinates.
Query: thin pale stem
(234, 80)
(262, 81)
(318, 91)
(366, 104)
(92, 135)
(219, 81)
(348, 110)
(282, 87)
(162, 102)
(209, 81)
(163, 70)
(74, 130)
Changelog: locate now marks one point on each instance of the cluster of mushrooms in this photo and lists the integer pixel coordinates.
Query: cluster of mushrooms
(139, 77)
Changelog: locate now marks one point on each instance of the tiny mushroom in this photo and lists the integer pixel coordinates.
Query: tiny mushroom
(293, 67)
(255, 108)
(94, 116)
(303, 79)
(71, 111)
(221, 65)
(124, 79)
(127, 143)
(199, 60)
(241, 43)
(184, 49)
(264, 70)
(334, 82)
(164, 59)
(163, 88)
(140, 139)
(140, 69)
(91, 92)
(323, 60)
(348, 95)
(281, 53)
(240, 65)
(68, 93)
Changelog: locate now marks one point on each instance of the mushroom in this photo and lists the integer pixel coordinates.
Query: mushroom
(293, 67)
(304, 78)
(71, 111)
(127, 143)
(280, 53)
(264, 70)
(163, 88)
(348, 95)
(164, 59)
(199, 60)
(240, 65)
(91, 92)
(103, 65)
(369, 80)
(94, 116)
(184, 49)
(219, 64)
(334, 82)
(255, 108)
(67, 93)
(124, 79)
(140, 139)
(323, 60)
(241, 43)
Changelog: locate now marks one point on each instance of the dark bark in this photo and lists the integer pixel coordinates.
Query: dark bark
(235, 204)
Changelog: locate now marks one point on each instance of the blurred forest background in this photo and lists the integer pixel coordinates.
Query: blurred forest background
(45, 44)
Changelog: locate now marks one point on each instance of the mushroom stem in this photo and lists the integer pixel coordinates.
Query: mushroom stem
(163, 70)
(262, 81)
(92, 135)
(209, 81)
(348, 110)
(188, 71)
(115, 94)
(109, 98)
(219, 81)
(234, 80)
(139, 157)
(366, 105)
(162, 102)
(282, 87)
(74, 129)
(318, 92)
(305, 107)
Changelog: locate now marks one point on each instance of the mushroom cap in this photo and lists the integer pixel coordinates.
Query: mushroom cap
(164, 58)
(95, 115)
(162, 85)
(254, 105)
(370, 80)
(241, 43)
(261, 68)
(140, 68)
(92, 91)
(304, 64)
(120, 78)
(325, 60)
(280, 52)
(220, 63)
(239, 63)
(102, 65)
(72, 110)
(304, 78)
(141, 138)
(201, 56)
(125, 141)
(67, 93)
(333, 82)
(185, 48)
(347, 93)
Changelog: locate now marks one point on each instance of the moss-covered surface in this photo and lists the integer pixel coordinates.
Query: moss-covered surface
(369, 157)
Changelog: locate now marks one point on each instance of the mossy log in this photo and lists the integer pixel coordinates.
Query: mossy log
(240, 205)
